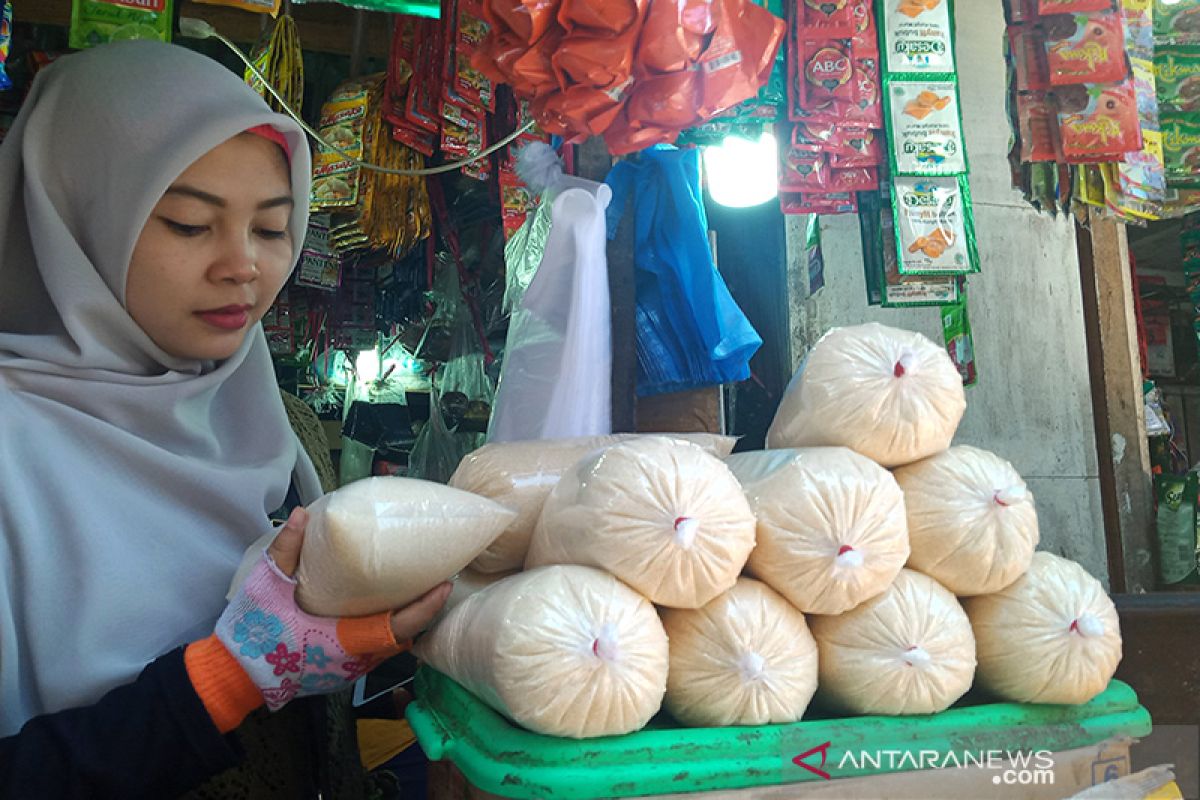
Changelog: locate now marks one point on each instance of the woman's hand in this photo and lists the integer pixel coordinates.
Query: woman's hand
(406, 622)
(289, 653)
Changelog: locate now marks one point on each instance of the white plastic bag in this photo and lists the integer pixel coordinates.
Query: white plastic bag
(907, 651)
(555, 381)
(892, 395)
(746, 658)
(564, 651)
(381, 543)
(521, 475)
(659, 513)
(971, 520)
(469, 582)
(831, 526)
(1051, 637)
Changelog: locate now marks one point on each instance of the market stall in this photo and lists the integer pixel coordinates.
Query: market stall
(544, 295)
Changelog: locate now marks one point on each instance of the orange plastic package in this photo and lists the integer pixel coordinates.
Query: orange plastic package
(665, 101)
(579, 111)
(595, 62)
(674, 33)
(740, 56)
(622, 139)
(528, 20)
(497, 55)
(533, 71)
(601, 17)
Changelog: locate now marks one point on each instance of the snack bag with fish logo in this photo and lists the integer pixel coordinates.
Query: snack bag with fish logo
(926, 128)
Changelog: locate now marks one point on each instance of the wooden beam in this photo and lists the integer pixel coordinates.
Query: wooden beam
(323, 28)
(1116, 373)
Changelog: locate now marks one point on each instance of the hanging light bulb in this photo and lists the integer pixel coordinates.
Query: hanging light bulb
(742, 172)
(366, 366)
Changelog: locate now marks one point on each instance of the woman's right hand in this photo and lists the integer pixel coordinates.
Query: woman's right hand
(289, 653)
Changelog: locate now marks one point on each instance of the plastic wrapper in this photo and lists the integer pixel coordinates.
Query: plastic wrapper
(957, 334)
(521, 475)
(690, 331)
(674, 33)
(918, 36)
(610, 18)
(909, 650)
(1177, 76)
(1085, 48)
(746, 658)
(925, 128)
(523, 253)
(343, 123)
(661, 514)
(1178, 497)
(1051, 637)
(381, 543)
(740, 55)
(1098, 124)
(557, 373)
(95, 22)
(831, 525)
(281, 62)
(971, 520)
(595, 62)
(580, 110)
(666, 102)
(436, 451)
(257, 6)
(564, 651)
(1039, 128)
(935, 230)
(467, 583)
(888, 394)
(829, 17)
(1177, 21)
(5, 40)
(624, 137)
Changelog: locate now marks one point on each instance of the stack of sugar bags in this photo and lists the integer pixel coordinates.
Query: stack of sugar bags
(521, 475)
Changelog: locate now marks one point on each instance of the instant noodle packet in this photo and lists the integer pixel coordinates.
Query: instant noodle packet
(343, 120)
(95, 22)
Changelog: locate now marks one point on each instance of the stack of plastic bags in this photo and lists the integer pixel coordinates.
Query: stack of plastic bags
(638, 72)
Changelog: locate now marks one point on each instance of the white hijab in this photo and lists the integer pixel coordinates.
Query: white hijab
(131, 481)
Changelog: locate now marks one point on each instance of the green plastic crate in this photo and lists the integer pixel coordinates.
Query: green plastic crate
(498, 757)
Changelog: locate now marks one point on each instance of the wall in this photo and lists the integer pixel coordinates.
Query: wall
(1032, 403)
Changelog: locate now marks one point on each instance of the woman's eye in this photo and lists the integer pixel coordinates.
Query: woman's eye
(184, 230)
(269, 233)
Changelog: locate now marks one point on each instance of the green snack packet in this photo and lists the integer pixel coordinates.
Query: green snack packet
(1177, 76)
(1177, 20)
(925, 125)
(1181, 147)
(1175, 524)
(96, 22)
(935, 226)
(956, 332)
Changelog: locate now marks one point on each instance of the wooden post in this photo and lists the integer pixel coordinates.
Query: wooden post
(594, 163)
(1116, 373)
(358, 37)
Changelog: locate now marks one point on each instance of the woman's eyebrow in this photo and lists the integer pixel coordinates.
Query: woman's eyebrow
(190, 191)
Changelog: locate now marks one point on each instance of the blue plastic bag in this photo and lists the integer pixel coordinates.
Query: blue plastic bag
(690, 332)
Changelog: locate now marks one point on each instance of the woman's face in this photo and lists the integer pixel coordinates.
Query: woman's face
(215, 252)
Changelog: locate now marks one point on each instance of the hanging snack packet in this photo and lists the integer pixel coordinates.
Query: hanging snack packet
(802, 171)
(95, 22)
(900, 291)
(1085, 48)
(832, 18)
(867, 110)
(1098, 124)
(1039, 127)
(5, 38)
(1048, 8)
(673, 35)
(926, 128)
(1029, 58)
(918, 36)
(935, 230)
(1177, 21)
(956, 332)
(805, 203)
(1177, 76)
(824, 86)
(1181, 148)
(336, 178)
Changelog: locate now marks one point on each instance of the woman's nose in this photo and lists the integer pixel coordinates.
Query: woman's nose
(236, 261)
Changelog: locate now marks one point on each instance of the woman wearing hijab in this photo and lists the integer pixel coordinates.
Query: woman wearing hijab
(151, 208)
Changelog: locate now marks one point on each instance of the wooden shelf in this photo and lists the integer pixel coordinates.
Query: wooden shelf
(323, 27)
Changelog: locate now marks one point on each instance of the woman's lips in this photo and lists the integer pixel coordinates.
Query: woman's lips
(230, 318)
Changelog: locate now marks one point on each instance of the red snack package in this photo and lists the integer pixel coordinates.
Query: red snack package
(1098, 123)
(623, 137)
(580, 111)
(804, 203)
(496, 57)
(528, 20)
(1039, 128)
(1085, 48)
(853, 179)
(828, 18)
(859, 148)
(469, 83)
(423, 142)
(516, 199)
(673, 35)
(825, 84)
(1049, 7)
(533, 72)
(865, 38)
(601, 17)
(739, 57)
(817, 137)
(800, 171)
(867, 109)
(1029, 57)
